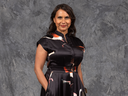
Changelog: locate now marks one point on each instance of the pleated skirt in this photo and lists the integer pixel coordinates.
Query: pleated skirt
(63, 82)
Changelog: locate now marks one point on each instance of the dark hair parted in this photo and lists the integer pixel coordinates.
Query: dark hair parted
(68, 9)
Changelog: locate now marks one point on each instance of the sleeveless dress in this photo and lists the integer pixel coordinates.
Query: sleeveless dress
(63, 59)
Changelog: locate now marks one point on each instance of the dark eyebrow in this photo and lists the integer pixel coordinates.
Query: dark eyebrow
(59, 17)
(67, 17)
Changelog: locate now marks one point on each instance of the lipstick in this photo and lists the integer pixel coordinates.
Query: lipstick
(63, 25)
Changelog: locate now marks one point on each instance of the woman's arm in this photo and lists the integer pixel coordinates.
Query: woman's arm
(40, 59)
(81, 76)
(80, 73)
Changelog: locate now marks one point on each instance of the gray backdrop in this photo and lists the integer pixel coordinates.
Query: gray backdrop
(101, 24)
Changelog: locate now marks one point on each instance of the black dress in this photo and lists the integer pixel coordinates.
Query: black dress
(63, 59)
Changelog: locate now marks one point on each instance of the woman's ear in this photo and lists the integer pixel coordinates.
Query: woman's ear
(54, 20)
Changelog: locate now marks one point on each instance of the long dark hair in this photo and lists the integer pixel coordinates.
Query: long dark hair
(68, 9)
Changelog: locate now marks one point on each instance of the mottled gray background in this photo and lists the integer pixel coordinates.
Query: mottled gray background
(101, 24)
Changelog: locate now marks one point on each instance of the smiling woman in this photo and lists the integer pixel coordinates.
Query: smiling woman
(64, 53)
(68, 12)
(62, 21)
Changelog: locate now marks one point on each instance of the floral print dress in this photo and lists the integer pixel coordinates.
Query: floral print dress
(63, 59)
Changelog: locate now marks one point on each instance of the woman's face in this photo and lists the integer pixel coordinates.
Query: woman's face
(62, 21)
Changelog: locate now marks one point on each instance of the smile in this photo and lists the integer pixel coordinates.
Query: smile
(63, 25)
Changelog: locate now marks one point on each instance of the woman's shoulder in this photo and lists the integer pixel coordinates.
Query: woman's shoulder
(77, 41)
(46, 37)
(44, 40)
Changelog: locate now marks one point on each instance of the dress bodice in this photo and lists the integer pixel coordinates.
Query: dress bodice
(62, 52)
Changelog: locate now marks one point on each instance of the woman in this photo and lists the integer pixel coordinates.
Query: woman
(63, 52)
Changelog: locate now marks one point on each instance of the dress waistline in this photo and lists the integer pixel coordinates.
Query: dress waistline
(63, 68)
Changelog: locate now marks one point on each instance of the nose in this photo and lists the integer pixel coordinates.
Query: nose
(63, 20)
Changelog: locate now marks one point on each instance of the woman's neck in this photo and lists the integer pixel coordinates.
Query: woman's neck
(63, 32)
